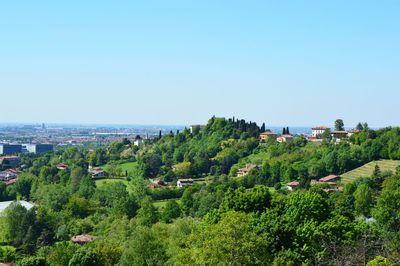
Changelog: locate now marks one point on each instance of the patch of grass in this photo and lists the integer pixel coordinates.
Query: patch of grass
(161, 204)
(367, 169)
(130, 167)
(103, 182)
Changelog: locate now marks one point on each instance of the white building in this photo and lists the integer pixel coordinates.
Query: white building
(319, 130)
(192, 127)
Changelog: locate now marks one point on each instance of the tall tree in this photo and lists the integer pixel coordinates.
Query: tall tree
(287, 130)
(339, 125)
(283, 131)
(359, 126)
(262, 128)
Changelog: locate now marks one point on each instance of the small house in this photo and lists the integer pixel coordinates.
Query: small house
(244, 171)
(292, 185)
(268, 135)
(285, 138)
(98, 173)
(184, 182)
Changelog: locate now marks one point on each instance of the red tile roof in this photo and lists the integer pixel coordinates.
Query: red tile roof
(320, 128)
(294, 183)
(10, 182)
(268, 133)
(83, 238)
(9, 157)
(246, 169)
(339, 132)
(328, 178)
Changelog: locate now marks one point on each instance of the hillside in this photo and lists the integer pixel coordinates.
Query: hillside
(367, 169)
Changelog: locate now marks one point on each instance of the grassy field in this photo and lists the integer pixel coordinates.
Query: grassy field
(367, 169)
(161, 204)
(103, 182)
(131, 167)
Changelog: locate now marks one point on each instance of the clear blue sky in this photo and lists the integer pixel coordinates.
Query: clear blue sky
(180, 62)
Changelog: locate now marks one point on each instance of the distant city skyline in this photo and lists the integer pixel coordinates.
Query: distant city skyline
(285, 63)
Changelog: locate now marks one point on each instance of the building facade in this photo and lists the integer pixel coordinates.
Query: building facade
(318, 130)
(38, 148)
(10, 149)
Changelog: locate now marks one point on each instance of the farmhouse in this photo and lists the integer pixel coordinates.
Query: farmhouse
(292, 185)
(267, 135)
(339, 134)
(184, 182)
(98, 173)
(285, 138)
(244, 171)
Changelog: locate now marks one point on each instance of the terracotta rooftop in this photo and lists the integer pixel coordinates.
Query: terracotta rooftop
(328, 178)
(268, 133)
(246, 169)
(320, 128)
(339, 132)
(9, 157)
(83, 238)
(10, 182)
(294, 183)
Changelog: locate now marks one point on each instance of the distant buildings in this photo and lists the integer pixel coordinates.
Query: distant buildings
(38, 148)
(10, 149)
(138, 142)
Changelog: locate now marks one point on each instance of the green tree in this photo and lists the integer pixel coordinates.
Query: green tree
(187, 201)
(77, 174)
(145, 248)
(363, 199)
(171, 211)
(147, 214)
(339, 125)
(33, 261)
(256, 199)
(359, 126)
(85, 256)
(229, 242)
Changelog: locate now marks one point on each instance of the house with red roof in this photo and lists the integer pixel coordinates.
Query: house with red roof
(244, 171)
(293, 185)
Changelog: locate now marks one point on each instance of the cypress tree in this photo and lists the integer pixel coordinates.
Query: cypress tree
(263, 127)
(284, 131)
(159, 135)
(287, 130)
